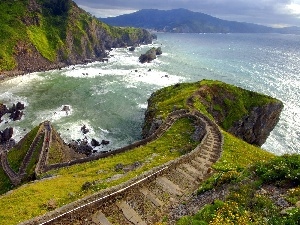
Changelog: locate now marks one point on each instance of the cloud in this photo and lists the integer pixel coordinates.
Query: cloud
(267, 12)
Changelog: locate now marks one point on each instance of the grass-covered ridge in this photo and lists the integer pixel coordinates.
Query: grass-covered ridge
(224, 102)
(69, 184)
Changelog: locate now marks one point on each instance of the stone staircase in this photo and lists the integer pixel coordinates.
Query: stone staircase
(150, 199)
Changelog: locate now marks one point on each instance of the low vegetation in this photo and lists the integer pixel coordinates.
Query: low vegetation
(248, 202)
(243, 166)
(72, 183)
(16, 155)
(212, 98)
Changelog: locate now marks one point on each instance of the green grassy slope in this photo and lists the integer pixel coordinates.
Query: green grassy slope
(68, 184)
(58, 30)
(206, 96)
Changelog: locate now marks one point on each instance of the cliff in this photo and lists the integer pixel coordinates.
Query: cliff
(38, 35)
(248, 115)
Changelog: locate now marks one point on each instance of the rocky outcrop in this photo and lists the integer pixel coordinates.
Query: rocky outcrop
(150, 55)
(6, 135)
(257, 125)
(16, 111)
(3, 110)
(248, 115)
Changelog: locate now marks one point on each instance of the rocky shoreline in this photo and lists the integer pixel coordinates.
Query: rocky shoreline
(16, 113)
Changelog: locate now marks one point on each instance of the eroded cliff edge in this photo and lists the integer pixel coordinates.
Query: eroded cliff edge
(246, 114)
(39, 35)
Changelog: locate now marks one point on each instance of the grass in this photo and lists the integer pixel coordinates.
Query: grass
(236, 156)
(5, 184)
(245, 204)
(56, 155)
(235, 102)
(12, 30)
(67, 184)
(16, 155)
(230, 101)
(72, 183)
(30, 174)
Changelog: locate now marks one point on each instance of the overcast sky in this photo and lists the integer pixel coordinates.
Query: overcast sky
(276, 13)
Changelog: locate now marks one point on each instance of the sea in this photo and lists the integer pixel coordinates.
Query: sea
(110, 98)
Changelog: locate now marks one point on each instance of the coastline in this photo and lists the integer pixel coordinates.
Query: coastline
(7, 75)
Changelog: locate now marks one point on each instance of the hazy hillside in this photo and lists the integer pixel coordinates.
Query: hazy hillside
(185, 21)
(43, 34)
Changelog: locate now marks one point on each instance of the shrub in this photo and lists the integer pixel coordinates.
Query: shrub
(281, 169)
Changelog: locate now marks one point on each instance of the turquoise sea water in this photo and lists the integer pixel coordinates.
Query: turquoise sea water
(110, 98)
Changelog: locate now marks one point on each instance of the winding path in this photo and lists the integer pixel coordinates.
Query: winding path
(149, 197)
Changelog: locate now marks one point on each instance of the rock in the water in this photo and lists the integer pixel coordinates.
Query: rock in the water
(104, 142)
(6, 134)
(16, 115)
(20, 106)
(150, 55)
(158, 51)
(3, 110)
(95, 143)
(81, 146)
(15, 111)
(84, 129)
(66, 108)
(131, 49)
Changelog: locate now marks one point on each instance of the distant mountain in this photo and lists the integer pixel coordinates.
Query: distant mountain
(185, 21)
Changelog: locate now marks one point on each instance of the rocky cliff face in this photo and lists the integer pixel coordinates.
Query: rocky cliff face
(54, 34)
(255, 127)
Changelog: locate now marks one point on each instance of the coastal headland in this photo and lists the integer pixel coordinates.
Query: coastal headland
(163, 143)
(200, 148)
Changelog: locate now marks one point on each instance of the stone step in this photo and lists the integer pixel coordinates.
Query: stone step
(100, 219)
(191, 169)
(179, 179)
(198, 165)
(130, 214)
(186, 175)
(152, 197)
(169, 186)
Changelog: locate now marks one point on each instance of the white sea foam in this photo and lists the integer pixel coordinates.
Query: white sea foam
(10, 98)
(22, 81)
(143, 106)
(72, 131)
(153, 77)
(55, 114)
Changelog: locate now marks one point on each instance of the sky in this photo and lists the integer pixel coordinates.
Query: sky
(275, 13)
